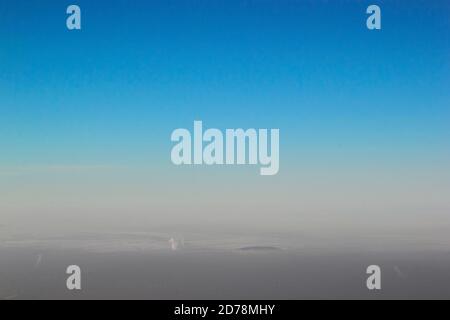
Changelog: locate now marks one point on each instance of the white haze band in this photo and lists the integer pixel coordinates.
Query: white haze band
(231, 150)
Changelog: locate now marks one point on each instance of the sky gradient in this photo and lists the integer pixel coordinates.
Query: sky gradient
(86, 116)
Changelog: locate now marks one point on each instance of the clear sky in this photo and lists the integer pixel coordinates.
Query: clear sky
(86, 116)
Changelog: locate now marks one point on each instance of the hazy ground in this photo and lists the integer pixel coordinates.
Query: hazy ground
(219, 265)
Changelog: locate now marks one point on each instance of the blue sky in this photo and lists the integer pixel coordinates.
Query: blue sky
(343, 97)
